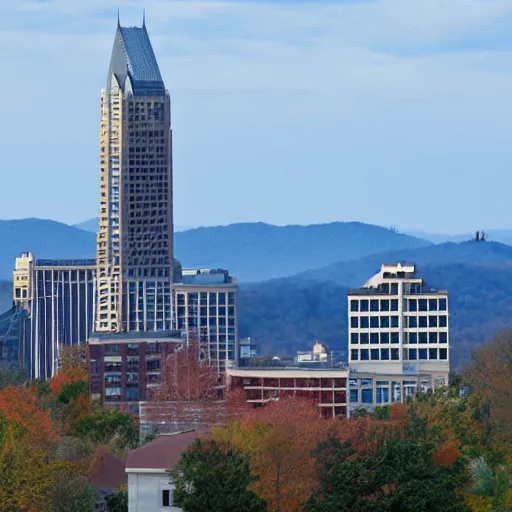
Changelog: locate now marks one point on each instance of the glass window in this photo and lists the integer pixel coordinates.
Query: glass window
(374, 353)
(413, 354)
(367, 396)
(423, 321)
(366, 382)
(365, 355)
(354, 396)
(422, 305)
(443, 321)
(394, 305)
(354, 322)
(432, 353)
(432, 304)
(396, 394)
(384, 337)
(382, 395)
(442, 304)
(374, 322)
(354, 338)
(432, 321)
(394, 321)
(363, 338)
(423, 353)
(413, 305)
(443, 354)
(394, 291)
(395, 337)
(422, 337)
(395, 356)
(354, 354)
(384, 354)
(363, 305)
(384, 304)
(432, 337)
(443, 337)
(374, 337)
(384, 322)
(354, 305)
(364, 323)
(374, 305)
(413, 321)
(167, 500)
(413, 338)
(353, 382)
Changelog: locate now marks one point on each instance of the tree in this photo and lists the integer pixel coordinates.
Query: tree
(74, 492)
(118, 501)
(209, 478)
(395, 474)
(72, 391)
(12, 377)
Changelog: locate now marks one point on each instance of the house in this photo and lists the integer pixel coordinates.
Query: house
(149, 486)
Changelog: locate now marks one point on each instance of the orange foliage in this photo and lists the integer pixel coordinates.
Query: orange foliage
(67, 376)
(397, 411)
(447, 453)
(19, 406)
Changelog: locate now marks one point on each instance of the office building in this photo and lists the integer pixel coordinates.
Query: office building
(135, 238)
(58, 297)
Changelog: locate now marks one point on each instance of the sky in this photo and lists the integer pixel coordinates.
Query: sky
(391, 112)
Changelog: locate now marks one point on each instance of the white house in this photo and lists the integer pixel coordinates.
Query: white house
(149, 487)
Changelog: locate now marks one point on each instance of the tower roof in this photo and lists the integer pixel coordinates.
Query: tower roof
(133, 59)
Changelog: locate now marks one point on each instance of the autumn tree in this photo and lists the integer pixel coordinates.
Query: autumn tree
(210, 478)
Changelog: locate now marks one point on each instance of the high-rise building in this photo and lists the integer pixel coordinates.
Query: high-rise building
(400, 326)
(135, 238)
(59, 299)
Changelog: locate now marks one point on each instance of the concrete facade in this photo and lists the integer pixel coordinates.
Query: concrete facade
(147, 490)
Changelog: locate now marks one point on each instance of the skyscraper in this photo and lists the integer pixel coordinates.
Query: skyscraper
(135, 239)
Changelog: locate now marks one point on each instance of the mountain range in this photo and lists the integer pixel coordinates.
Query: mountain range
(294, 279)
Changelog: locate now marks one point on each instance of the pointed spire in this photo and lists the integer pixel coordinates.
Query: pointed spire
(143, 18)
(118, 19)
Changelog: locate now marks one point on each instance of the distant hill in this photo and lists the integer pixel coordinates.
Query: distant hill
(503, 236)
(258, 251)
(356, 273)
(45, 238)
(286, 315)
(93, 224)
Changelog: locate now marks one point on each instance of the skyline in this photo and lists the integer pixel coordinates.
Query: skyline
(419, 95)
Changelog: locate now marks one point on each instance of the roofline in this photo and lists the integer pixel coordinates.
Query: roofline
(146, 470)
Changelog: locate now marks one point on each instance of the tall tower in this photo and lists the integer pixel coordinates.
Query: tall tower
(135, 238)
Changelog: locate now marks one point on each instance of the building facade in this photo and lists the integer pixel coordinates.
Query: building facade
(59, 299)
(135, 238)
(398, 325)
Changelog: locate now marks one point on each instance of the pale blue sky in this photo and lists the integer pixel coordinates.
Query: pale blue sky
(394, 112)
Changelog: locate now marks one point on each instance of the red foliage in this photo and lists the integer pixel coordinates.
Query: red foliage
(66, 376)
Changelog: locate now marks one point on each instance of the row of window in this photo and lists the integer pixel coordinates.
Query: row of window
(384, 338)
(386, 322)
(393, 354)
(376, 305)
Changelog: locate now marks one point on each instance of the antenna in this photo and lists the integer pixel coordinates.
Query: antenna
(143, 18)
(118, 20)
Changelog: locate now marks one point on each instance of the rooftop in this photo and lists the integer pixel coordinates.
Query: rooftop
(115, 337)
(66, 263)
(161, 454)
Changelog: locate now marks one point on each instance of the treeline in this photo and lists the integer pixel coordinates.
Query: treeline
(446, 451)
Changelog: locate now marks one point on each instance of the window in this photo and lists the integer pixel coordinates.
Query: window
(443, 354)
(442, 321)
(167, 500)
(364, 322)
(423, 354)
(394, 354)
(354, 396)
(394, 305)
(413, 305)
(443, 337)
(395, 386)
(374, 337)
(364, 338)
(363, 306)
(367, 396)
(442, 304)
(354, 305)
(384, 322)
(384, 337)
(374, 322)
(394, 291)
(354, 355)
(374, 305)
(413, 321)
(384, 354)
(395, 337)
(432, 321)
(422, 305)
(432, 304)
(413, 354)
(382, 395)
(413, 338)
(384, 304)
(394, 321)
(354, 338)
(374, 353)
(432, 353)
(432, 337)
(422, 337)
(354, 323)
(365, 354)
(366, 382)
(423, 321)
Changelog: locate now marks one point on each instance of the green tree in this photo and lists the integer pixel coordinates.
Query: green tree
(72, 391)
(118, 502)
(396, 475)
(210, 479)
(74, 493)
